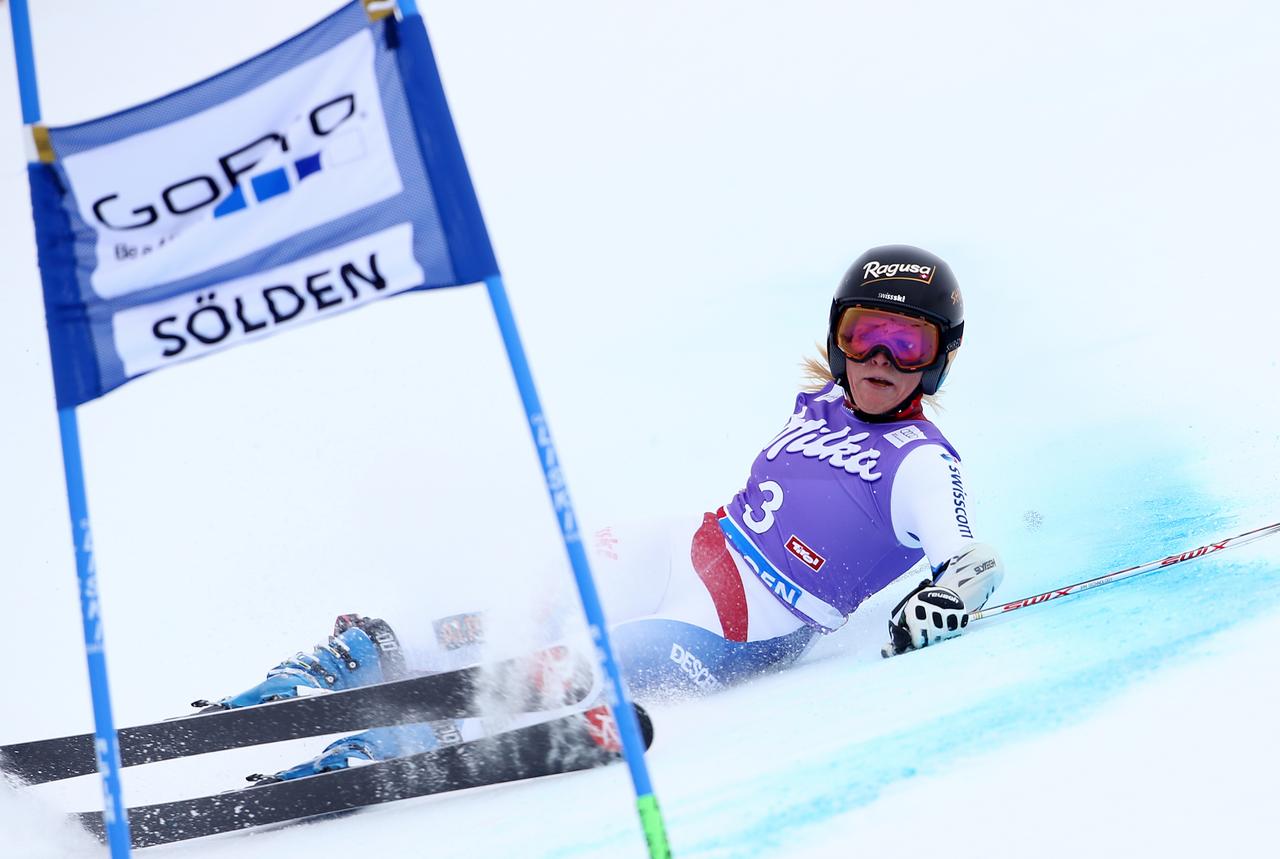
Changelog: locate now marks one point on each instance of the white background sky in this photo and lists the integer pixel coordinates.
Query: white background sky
(673, 190)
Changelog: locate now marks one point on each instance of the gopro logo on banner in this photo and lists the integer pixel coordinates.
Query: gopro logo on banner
(294, 153)
(196, 192)
(345, 148)
(874, 271)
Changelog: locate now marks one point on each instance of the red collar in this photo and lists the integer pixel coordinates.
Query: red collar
(911, 410)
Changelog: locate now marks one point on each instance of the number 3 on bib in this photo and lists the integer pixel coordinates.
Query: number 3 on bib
(767, 506)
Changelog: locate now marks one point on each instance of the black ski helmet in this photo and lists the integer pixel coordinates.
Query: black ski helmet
(908, 280)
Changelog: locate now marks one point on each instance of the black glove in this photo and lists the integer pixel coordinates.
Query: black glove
(929, 614)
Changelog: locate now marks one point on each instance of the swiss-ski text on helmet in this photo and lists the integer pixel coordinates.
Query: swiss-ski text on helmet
(876, 270)
(812, 439)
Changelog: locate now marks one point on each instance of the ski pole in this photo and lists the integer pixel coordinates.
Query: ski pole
(1128, 572)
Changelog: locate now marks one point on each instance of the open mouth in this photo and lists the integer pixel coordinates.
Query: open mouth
(877, 382)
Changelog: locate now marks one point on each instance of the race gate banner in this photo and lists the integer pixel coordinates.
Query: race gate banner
(314, 178)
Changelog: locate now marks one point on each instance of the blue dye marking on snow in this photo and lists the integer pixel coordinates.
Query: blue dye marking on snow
(857, 775)
(1093, 646)
(1071, 658)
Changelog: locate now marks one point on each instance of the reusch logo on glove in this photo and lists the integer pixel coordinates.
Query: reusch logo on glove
(875, 270)
(807, 556)
(941, 597)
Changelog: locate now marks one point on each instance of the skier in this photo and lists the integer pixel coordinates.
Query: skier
(856, 489)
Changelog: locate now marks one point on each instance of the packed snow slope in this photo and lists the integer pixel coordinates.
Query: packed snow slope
(674, 191)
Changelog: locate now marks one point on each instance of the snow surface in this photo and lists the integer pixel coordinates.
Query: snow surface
(674, 190)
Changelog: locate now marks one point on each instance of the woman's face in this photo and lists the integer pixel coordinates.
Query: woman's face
(877, 385)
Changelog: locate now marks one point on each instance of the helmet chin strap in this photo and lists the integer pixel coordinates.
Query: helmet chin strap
(907, 410)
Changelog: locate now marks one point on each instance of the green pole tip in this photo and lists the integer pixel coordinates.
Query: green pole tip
(655, 831)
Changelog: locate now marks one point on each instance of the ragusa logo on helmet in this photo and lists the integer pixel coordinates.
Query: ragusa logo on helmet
(875, 270)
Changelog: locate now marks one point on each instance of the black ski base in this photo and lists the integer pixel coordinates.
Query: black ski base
(559, 746)
(451, 695)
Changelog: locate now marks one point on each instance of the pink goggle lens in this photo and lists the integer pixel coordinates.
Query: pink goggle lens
(912, 343)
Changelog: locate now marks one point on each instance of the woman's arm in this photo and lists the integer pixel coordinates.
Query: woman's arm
(929, 508)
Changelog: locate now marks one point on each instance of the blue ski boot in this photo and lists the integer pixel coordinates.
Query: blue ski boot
(378, 744)
(361, 651)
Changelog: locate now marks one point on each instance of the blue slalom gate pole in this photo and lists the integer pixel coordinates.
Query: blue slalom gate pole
(628, 726)
(114, 816)
(106, 745)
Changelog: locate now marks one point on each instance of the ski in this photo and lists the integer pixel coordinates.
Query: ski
(434, 697)
(567, 744)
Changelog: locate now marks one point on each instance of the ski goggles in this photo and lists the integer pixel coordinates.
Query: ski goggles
(912, 343)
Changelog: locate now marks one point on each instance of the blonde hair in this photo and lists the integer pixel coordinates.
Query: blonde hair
(817, 375)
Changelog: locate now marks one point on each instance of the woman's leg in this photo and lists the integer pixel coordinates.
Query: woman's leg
(711, 624)
(685, 612)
